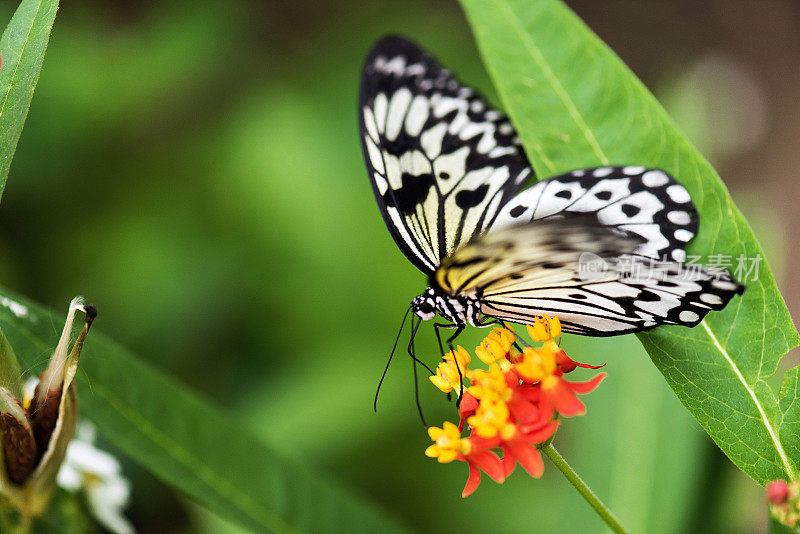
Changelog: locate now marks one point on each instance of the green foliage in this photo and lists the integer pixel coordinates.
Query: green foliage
(575, 104)
(22, 47)
(190, 443)
(10, 377)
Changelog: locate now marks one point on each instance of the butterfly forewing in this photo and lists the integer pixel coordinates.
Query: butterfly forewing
(441, 161)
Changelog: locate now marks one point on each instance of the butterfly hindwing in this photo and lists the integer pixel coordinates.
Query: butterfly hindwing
(442, 163)
(583, 273)
(645, 202)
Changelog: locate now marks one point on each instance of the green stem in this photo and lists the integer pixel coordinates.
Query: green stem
(604, 513)
(13, 520)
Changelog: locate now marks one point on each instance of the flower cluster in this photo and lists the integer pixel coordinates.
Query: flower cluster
(784, 502)
(512, 407)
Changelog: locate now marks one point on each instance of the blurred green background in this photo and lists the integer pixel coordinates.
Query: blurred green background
(194, 169)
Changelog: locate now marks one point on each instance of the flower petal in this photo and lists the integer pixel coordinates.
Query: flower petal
(583, 388)
(472, 482)
(542, 434)
(528, 457)
(509, 461)
(564, 399)
(490, 463)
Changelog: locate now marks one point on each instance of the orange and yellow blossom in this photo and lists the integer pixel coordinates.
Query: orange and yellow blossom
(540, 367)
(512, 407)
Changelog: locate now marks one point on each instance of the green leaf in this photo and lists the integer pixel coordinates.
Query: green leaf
(789, 427)
(575, 104)
(10, 376)
(189, 442)
(22, 47)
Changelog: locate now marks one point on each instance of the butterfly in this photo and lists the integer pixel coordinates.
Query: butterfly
(601, 248)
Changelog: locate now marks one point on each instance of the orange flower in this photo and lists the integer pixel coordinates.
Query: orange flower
(449, 445)
(540, 366)
(512, 406)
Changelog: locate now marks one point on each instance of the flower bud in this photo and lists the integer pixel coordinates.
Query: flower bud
(778, 492)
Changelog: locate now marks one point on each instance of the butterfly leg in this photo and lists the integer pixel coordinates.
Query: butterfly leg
(436, 328)
(458, 329)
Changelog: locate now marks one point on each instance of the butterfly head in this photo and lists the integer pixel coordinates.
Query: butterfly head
(425, 305)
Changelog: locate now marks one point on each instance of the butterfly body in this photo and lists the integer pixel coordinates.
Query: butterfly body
(460, 309)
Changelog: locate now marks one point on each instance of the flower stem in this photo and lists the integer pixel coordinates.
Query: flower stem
(586, 492)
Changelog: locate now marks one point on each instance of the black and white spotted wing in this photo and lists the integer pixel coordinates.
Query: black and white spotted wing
(585, 274)
(645, 202)
(441, 161)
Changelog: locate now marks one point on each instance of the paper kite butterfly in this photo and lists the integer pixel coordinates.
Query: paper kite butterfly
(600, 248)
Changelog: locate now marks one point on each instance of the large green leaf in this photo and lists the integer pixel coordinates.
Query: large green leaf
(189, 442)
(575, 104)
(22, 47)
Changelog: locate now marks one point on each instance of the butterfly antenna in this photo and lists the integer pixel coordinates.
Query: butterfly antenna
(385, 369)
(414, 362)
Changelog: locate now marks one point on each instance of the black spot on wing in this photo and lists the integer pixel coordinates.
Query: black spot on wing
(603, 195)
(516, 211)
(467, 198)
(414, 191)
(630, 210)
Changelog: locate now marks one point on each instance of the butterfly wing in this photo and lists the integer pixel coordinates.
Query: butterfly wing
(645, 202)
(583, 273)
(441, 161)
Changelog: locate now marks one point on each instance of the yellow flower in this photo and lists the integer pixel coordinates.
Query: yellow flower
(490, 418)
(496, 346)
(451, 372)
(489, 384)
(538, 365)
(545, 328)
(448, 443)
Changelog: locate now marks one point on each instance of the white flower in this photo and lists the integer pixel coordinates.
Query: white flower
(99, 475)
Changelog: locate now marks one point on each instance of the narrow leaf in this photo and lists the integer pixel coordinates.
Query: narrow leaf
(10, 377)
(192, 444)
(22, 47)
(575, 104)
